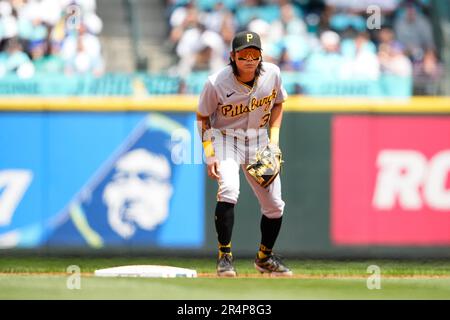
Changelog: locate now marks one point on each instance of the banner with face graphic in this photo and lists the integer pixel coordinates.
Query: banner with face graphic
(99, 180)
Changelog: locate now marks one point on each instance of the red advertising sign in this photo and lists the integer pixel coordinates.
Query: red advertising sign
(390, 180)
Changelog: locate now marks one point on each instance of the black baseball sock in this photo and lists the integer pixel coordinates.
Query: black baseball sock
(224, 220)
(269, 233)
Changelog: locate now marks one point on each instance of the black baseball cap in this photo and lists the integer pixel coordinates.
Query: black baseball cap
(244, 40)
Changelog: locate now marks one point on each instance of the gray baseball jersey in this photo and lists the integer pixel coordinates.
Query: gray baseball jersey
(231, 104)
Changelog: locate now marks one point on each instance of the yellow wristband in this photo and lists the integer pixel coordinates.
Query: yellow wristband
(209, 149)
(274, 135)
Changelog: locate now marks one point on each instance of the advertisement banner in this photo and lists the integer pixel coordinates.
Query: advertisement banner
(99, 180)
(390, 180)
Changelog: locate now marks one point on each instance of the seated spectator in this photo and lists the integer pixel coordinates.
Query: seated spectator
(213, 47)
(393, 60)
(8, 21)
(385, 36)
(37, 49)
(51, 63)
(427, 74)
(200, 49)
(15, 61)
(360, 42)
(81, 51)
(180, 13)
(262, 28)
(227, 31)
(298, 48)
(213, 20)
(414, 31)
(289, 39)
(43, 28)
(187, 21)
(429, 66)
(187, 46)
(287, 63)
(361, 59)
(202, 59)
(289, 23)
(327, 61)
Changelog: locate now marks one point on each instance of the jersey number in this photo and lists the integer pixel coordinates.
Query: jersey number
(264, 120)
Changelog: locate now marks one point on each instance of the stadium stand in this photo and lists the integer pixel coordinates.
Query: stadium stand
(323, 47)
(50, 37)
(328, 39)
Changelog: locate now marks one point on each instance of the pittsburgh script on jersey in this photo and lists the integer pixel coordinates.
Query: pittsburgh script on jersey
(231, 110)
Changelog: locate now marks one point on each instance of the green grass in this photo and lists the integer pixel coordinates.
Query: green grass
(319, 279)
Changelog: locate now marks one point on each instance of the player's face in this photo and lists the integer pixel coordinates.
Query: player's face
(247, 59)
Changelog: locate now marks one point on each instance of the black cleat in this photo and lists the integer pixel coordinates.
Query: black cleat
(273, 265)
(225, 266)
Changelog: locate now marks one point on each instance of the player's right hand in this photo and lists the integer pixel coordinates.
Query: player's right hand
(213, 168)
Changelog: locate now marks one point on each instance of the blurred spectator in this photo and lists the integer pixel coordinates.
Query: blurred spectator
(264, 30)
(393, 60)
(290, 42)
(414, 31)
(187, 39)
(286, 63)
(289, 23)
(327, 39)
(15, 61)
(8, 21)
(213, 47)
(227, 31)
(361, 59)
(81, 52)
(200, 49)
(43, 28)
(214, 19)
(327, 61)
(179, 15)
(189, 20)
(48, 63)
(430, 65)
(385, 36)
(356, 40)
(37, 49)
(427, 74)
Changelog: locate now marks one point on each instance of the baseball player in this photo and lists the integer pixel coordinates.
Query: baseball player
(237, 106)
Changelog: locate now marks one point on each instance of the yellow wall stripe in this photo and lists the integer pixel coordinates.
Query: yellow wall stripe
(183, 103)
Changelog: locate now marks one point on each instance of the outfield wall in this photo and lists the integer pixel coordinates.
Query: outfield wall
(361, 177)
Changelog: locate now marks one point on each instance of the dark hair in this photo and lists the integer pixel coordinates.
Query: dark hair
(258, 72)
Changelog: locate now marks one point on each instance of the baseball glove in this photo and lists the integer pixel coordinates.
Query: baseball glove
(266, 166)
